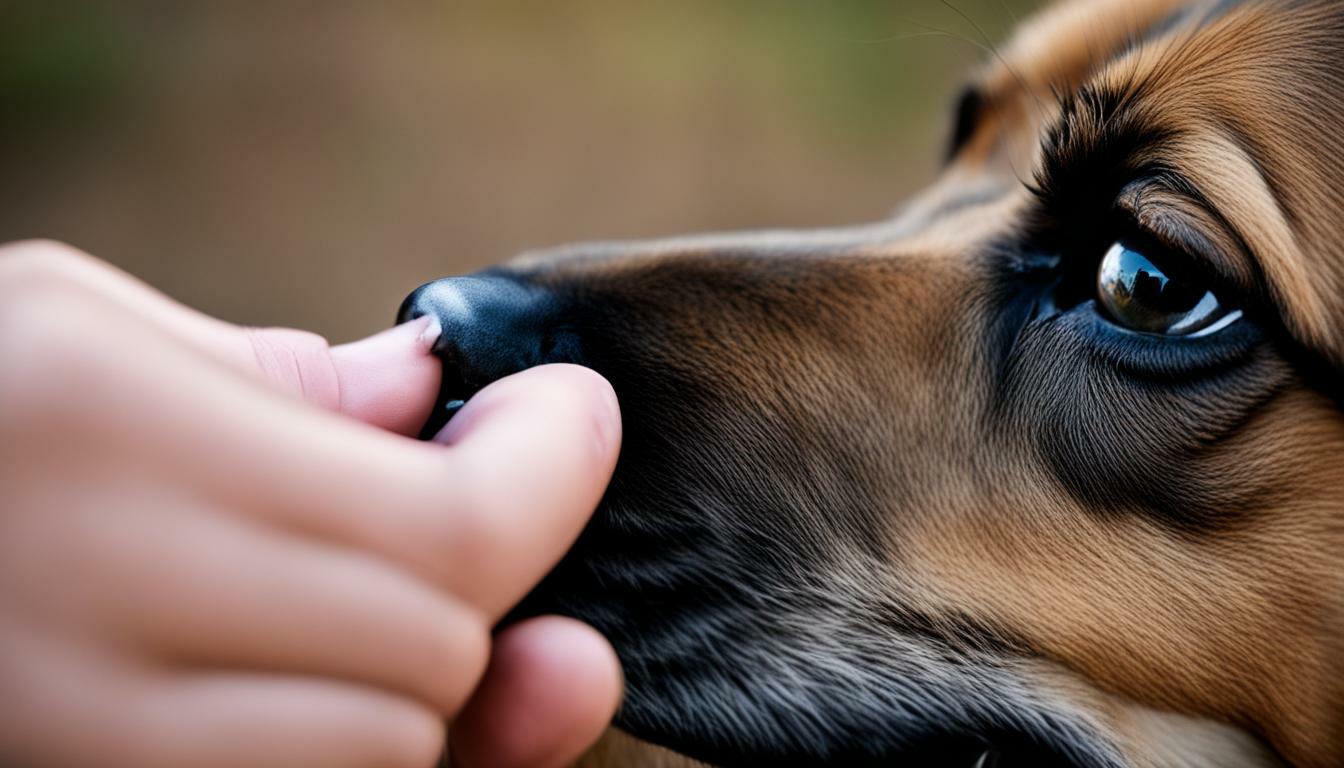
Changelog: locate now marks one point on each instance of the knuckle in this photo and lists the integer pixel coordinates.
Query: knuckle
(479, 540)
(39, 289)
(474, 528)
(415, 740)
(297, 362)
(459, 530)
(49, 340)
(457, 658)
(30, 264)
(49, 316)
(37, 348)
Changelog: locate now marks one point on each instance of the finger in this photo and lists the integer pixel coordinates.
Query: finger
(552, 687)
(389, 380)
(242, 598)
(70, 704)
(528, 459)
(230, 720)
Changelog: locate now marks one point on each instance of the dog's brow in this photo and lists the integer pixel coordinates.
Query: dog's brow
(1101, 136)
(1228, 175)
(1235, 158)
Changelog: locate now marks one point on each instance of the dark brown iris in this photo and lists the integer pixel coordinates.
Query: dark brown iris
(1142, 297)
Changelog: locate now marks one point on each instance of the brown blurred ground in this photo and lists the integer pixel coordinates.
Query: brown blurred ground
(307, 163)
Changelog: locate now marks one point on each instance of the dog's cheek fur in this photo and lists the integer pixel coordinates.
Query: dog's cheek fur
(1133, 426)
(1227, 612)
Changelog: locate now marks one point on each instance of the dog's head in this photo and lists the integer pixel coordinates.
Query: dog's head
(1048, 465)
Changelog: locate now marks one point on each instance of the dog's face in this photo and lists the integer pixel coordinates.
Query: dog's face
(1049, 465)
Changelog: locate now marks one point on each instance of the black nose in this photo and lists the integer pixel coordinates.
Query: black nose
(492, 326)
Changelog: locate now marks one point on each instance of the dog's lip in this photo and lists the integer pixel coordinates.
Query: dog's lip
(445, 408)
(967, 745)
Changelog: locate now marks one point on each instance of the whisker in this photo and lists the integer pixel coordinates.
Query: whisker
(994, 49)
(1011, 15)
(932, 31)
(917, 35)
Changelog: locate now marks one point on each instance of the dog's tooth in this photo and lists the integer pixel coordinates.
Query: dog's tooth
(986, 760)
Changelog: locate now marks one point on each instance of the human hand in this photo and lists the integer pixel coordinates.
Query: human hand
(197, 568)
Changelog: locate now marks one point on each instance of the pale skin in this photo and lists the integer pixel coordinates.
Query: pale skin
(220, 546)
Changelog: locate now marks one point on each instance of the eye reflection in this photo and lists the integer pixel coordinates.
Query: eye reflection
(1140, 296)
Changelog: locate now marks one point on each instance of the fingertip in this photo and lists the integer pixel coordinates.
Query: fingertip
(390, 379)
(551, 690)
(563, 390)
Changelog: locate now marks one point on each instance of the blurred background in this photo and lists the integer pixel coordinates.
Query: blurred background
(307, 163)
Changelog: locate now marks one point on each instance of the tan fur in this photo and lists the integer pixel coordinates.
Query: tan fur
(1175, 626)
(1279, 633)
(619, 749)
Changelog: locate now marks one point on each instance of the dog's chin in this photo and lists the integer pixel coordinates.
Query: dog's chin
(725, 667)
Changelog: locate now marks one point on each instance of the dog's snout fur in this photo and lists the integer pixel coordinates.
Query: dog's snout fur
(906, 493)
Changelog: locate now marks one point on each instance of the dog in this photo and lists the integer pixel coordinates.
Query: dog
(1045, 470)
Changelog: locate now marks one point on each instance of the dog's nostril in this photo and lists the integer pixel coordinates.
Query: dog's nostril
(492, 326)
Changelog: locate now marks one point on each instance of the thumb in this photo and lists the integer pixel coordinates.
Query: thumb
(388, 380)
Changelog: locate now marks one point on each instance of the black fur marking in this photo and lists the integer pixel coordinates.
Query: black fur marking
(970, 110)
(1097, 145)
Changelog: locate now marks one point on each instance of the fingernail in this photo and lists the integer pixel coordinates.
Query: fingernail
(431, 332)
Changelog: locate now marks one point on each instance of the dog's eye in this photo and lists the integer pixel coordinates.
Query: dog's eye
(1141, 296)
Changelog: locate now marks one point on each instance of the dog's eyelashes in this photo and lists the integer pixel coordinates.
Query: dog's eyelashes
(1140, 295)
